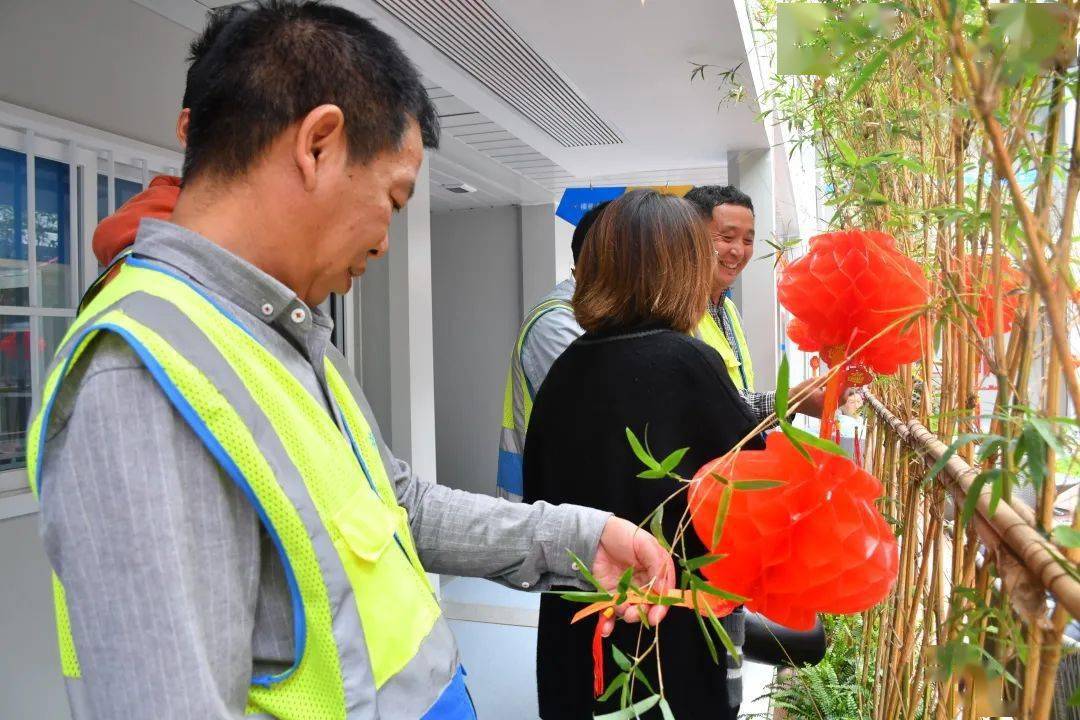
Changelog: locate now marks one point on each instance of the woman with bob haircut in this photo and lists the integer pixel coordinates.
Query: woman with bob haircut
(643, 283)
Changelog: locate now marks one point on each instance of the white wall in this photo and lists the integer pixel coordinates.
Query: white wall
(755, 290)
(564, 256)
(109, 64)
(476, 290)
(375, 343)
(30, 681)
(537, 229)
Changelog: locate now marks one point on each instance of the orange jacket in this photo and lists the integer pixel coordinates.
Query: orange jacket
(117, 231)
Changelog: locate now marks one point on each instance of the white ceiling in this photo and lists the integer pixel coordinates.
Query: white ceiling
(118, 65)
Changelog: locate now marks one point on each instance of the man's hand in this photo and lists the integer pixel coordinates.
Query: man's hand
(623, 545)
(813, 403)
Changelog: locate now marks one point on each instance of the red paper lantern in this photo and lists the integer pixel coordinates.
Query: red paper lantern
(847, 289)
(815, 544)
(979, 292)
(851, 296)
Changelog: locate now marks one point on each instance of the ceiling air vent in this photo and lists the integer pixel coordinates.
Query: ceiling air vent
(474, 37)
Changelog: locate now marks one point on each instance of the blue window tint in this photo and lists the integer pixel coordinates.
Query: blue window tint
(52, 226)
(124, 189)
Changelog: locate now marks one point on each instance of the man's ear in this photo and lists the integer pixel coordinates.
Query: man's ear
(182, 121)
(320, 143)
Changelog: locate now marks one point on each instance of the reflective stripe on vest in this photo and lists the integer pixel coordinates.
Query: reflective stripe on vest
(370, 640)
(517, 407)
(741, 374)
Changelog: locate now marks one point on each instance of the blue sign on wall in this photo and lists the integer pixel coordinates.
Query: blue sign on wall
(578, 201)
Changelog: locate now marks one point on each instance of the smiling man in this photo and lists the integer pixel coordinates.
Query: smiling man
(729, 214)
(246, 545)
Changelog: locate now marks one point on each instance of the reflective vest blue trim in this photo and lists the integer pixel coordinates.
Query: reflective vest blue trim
(510, 477)
(454, 703)
(207, 437)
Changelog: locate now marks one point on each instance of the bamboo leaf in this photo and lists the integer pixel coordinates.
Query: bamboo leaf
(722, 633)
(584, 570)
(671, 461)
(996, 491)
(846, 152)
(721, 515)
(656, 527)
(617, 684)
(585, 597)
(654, 474)
(705, 632)
(646, 459)
(757, 484)
(699, 562)
(864, 75)
(631, 712)
(624, 662)
(1043, 428)
(624, 585)
(700, 585)
(782, 380)
(949, 452)
(665, 709)
(808, 438)
(971, 500)
(989, 448)
(1036, 455)
(789, 430)
(620, 658)
(1065, 536)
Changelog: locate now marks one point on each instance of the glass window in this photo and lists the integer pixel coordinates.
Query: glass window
(37, 295)
(52, 212)
(14, 265)
(124, 190)
(18, 352)
(16, 393)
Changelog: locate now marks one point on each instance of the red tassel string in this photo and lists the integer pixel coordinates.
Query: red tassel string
(858, 449)
(598, 657)
(829, 426)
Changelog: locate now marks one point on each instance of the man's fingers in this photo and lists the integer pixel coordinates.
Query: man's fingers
(657, 613)
(607, 624)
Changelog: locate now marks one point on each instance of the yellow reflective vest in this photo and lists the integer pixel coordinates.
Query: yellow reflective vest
(370, 638)
(741, 372)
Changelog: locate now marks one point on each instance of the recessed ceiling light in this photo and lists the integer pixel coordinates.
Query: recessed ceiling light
(460, 188)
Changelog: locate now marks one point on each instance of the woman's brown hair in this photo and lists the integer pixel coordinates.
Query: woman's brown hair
(647, 259)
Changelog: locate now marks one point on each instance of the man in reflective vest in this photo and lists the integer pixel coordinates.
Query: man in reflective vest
(547, 330)
(229, 535)
(729, 214)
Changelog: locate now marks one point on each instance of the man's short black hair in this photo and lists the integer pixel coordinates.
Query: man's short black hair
(707, 197)
(257, 69)
(582, 229)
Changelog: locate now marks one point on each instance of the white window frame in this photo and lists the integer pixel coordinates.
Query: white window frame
(94, 152)
(98, 152)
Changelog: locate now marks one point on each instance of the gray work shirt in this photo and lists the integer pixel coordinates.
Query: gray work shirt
(176, 595)
(549, 336)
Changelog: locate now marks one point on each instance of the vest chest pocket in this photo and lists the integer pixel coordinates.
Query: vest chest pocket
(366, 525)
(396, 607)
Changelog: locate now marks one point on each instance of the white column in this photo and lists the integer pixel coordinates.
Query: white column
(412, 381)
(539, 253)
(755, 291)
